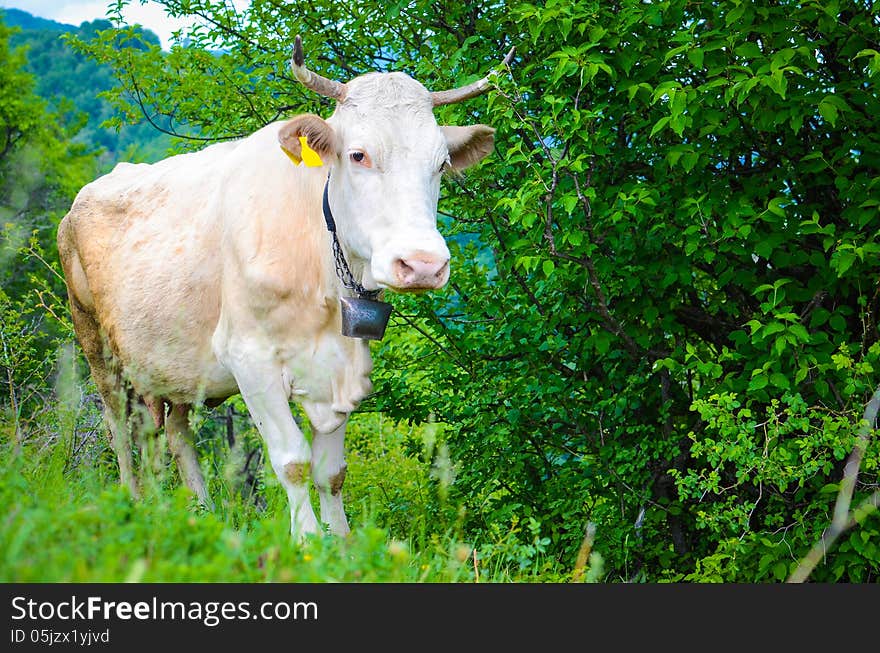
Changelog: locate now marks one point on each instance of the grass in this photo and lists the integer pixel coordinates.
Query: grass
(65, 518)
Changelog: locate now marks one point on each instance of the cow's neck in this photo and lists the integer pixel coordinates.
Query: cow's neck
(363, 315)
(341, 262)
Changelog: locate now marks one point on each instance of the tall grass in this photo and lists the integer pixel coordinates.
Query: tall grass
(65, 518)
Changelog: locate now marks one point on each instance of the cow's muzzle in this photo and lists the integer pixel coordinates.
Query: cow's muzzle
(420, 271)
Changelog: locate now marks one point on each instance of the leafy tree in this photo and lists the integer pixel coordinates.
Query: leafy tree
(40, 171)
(663, 314)
(72, 82)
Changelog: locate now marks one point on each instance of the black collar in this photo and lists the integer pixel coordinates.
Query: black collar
(342, 269)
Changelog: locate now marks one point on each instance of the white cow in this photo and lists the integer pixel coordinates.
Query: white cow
(212, 273)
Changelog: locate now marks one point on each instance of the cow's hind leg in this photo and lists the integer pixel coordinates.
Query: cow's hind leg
(180, 441)
(105, 373)
(328, 474)
(116, 417)
(146, 417)
(103, 365)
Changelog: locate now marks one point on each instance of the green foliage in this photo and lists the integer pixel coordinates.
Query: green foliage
(682, 315)
(66, 519)
(40, 171)
(398, 474)
(74, 85)
(40, 167)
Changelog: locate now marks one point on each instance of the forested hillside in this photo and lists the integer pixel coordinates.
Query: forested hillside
(72, 82)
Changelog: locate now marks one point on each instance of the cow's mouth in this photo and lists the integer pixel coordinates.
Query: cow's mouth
(413, 290)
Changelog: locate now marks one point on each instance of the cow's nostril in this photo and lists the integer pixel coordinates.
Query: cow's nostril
(442, 271)
(402, 270)
(421, 271)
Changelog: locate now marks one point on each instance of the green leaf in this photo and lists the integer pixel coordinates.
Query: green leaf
(575, 237)
(842, 261)
(748, 50)
(695, 55)
(837, 101)
(569, 202)
(677, 123)
(677, 101)
(771, 328)
(777, 82)
(828, 111)
(735, 14)
(837, 322)
(800, 332)
(601, 341)
(781, 58)
(775, 206)
(758, 382)
(874, 63)
(689, 160)
(660, 124)
(754, 325)
(780, 571)
(779, 380)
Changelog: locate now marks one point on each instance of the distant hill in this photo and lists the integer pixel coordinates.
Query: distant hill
(62, 73)
(24, 20)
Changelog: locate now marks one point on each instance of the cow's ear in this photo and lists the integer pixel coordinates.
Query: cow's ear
(319, 135)
(468, 145)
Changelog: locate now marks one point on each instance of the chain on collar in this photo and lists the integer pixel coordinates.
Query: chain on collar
(342, 269)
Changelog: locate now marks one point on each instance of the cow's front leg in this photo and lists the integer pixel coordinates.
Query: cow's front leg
(264, 392)
(328, 473)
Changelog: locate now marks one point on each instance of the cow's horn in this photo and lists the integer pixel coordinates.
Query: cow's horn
(474, 89)
(318, 84)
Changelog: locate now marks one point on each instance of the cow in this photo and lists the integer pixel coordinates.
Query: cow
(226, 271)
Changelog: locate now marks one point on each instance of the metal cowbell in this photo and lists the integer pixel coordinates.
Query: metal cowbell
(364, 318)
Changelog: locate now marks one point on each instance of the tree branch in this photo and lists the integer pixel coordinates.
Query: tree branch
(843, 519)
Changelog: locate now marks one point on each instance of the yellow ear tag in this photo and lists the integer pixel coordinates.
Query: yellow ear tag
(309, 156)
(296, 161)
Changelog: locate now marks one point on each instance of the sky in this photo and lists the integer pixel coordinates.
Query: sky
(73, 12)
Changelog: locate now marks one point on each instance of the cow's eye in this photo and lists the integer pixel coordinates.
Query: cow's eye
(361, 159)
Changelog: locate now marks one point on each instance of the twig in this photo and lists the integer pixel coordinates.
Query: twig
(35, 254)
(445, 350)
(19, 436)
(842, 519)
(476, 568)
(584, 553)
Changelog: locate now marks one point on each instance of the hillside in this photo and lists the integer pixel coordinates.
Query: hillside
(62, 73)
(26, 21)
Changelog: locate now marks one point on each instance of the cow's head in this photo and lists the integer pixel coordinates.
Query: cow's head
(387, 154)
